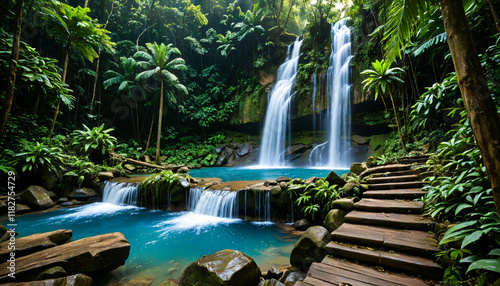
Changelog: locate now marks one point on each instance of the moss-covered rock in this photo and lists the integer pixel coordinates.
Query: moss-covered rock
(310, 247)
(334, 179)
(37, 197)
(378, 141)
(334, 219)
(223, 268)
(358, 168)
(344, 204)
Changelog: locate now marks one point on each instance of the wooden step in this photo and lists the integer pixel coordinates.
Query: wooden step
(397, 185)
(386, 168)
(389, 206)
(392, 174)
(413, 161)
(426, 267)
(414, 242)
(390, 179)
(403, 221)
(402, 194)
(422, 156)
(332, 271)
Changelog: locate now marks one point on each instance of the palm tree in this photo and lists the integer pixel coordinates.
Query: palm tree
(250, 26)
(160, 68)
(128, 86)
(381, 79)
(79, 31)
(481, 111)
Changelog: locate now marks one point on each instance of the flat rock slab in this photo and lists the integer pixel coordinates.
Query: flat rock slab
(336, 272)
(36, 242)
(90, 256)
(408, 241)
(402, 194)
(396, 185)
(403, 221)
(384, 169)
(426, 267)
(240, 185)
(390, 206)
(389, 179)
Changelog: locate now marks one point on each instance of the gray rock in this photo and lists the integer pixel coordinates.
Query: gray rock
(270, 183)
(348, 188)
(283, 179)
(283, 185)
(52, 273)
(310, 247)
(244, 149)
(183, 170)
(22, 209)
(302, 224)
(334, 219)
(292, 277)
(82, 194)
(334, 179)
(344, 204)
(274, 273)
(225, 267)
(358, 168)
(270, 282)
(359, 139)
(104, 176)
(37, 197)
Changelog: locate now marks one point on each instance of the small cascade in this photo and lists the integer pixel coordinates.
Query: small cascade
(263, 206)
(339, 97)
(277, 122)
(213, 203)
(117, 193)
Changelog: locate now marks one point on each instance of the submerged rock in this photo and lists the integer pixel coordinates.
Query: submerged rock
(73, 280)
(225, 267)
(36, 242)
(90, 256)
(310, 247)
(37, 197)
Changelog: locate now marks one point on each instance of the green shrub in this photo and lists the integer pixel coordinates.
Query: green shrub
(37, 155)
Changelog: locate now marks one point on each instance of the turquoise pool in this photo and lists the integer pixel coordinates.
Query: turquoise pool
(254, 173)
(164, 243)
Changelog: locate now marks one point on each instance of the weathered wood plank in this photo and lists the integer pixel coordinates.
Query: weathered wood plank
(402, 194)
(404, 221)
(383, 169)
(394, 206)
(389, 179)
(396, 185)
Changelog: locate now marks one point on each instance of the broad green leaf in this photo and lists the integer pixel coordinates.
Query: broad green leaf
(486, 264)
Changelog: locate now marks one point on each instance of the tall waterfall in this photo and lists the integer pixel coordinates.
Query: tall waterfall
(339, 96)
(336, 151)
(213, 203)
(117, 193)
(277, 122)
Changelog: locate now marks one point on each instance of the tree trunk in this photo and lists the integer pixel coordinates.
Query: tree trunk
(398, 121)
(63, 79)
(160, 115)
(482, 113)
(496, 18)
(14, 56)
(95, 83)
(150, 131)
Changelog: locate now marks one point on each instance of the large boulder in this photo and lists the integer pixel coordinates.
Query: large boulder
(73, 280)
(310, 247)
(302, 224)
(344, 204)
(334, 179)
(358, 168)
(37, 197)
(90, 256)
(334, 219)
(36, 242)
(83, 194)
(104, 176)
(225, 267)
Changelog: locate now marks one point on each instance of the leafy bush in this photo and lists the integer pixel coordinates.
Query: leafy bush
(37, 155)
(95, 139)
(315, 199)
(81, 170)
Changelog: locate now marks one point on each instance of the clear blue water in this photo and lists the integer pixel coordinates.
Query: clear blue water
(250, 173)
(164, 243)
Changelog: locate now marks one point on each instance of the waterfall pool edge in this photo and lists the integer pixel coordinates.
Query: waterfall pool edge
(162, 243)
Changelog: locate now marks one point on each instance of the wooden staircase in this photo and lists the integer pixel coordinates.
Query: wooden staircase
(384, 229)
